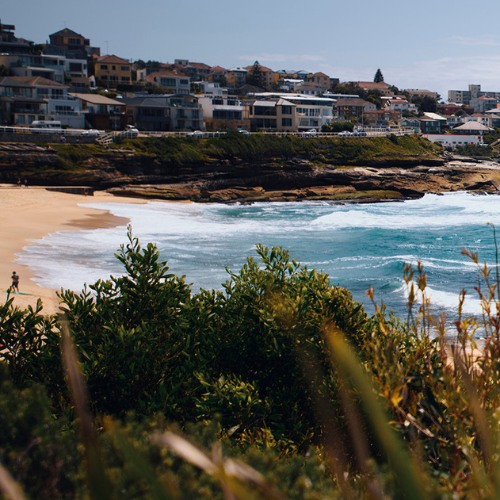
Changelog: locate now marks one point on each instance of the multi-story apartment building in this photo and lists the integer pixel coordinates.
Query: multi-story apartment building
(300, 113)
(113, 71)
(26, 99)
(221, 111)
(176, 112)
(466, 96)
(70, 41)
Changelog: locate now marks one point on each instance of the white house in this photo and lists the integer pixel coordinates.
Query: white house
(311, 112)
(448, 140)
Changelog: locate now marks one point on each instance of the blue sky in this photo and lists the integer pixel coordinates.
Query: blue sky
(437, 45)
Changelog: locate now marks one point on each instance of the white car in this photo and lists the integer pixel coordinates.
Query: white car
(345, 133)
(313, 131)
(92, 132)
(130, 132)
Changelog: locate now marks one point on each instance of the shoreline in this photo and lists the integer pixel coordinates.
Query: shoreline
(28, 214)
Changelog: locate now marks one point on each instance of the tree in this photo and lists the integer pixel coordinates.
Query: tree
(255, 76)
(426, 104)
(379, 77)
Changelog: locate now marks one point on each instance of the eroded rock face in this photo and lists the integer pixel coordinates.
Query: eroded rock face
(282, 179)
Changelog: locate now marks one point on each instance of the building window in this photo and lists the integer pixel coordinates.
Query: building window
(286, 122)
(125, 68)
(104, 66)
(286, 110)
(167, 82)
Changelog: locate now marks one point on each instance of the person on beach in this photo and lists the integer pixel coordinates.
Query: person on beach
(15, 282)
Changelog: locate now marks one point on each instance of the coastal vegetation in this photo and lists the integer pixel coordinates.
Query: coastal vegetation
(292, 390)
(182, 152)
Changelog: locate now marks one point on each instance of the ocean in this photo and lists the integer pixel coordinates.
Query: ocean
(357, 245)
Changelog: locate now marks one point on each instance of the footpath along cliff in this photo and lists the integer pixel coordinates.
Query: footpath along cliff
(253, 168)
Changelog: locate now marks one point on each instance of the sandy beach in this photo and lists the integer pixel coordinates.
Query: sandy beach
(29, 213)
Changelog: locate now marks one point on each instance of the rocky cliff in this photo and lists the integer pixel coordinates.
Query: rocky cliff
(277, 177)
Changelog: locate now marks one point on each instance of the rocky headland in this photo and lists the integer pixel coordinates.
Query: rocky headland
(314, 170)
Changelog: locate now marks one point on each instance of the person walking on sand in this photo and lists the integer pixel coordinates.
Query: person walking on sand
(15, 282)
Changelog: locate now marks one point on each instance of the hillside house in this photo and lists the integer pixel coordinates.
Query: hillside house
(113, 71)
(172, 81)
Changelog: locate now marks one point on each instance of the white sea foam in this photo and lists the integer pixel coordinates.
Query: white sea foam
(357, 245)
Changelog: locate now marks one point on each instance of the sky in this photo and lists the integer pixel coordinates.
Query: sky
(438, 45)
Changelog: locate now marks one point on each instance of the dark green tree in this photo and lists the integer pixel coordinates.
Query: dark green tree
(379, 77)
(426, 104)
(255, 75)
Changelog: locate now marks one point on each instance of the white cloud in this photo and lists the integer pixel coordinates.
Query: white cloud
(490, 41)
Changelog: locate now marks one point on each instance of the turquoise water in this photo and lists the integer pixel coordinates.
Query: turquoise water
(357, 245)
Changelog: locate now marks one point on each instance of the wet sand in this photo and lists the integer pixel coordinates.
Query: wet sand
(32, 213)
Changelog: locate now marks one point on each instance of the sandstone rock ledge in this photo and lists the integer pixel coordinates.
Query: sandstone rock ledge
(342, 185)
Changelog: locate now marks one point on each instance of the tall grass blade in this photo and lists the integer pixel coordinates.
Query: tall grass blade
(238, 480)
(350, 369)
(9, 487)
(98, 482)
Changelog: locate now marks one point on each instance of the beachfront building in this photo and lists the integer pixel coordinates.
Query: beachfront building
(172, 81)
(26, 99)
(18, 104)
(472, 128)
(223, 112)
(272, 114)
(113, 71)
(301, 113)
(168, 112)
(148, 112)
(101, 112)
(452, 141)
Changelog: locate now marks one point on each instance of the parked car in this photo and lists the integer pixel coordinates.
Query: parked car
(46, 127)
(93, 132)
(345, 133)
(243, 131)
(313, 131)
(130, 132)
(196, 133)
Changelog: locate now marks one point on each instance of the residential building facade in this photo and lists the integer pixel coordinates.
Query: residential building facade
(173, 82)
(113, 71)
